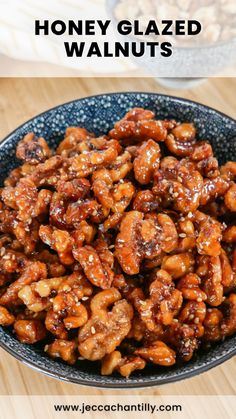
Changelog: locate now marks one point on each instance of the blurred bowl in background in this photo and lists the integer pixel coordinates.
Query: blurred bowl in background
(197, 61)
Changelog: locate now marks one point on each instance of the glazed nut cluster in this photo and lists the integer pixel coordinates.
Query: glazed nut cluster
(119, 248)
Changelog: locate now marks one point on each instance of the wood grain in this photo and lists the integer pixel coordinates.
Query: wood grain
(21, 99)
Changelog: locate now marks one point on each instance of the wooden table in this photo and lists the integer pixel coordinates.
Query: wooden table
(21, 99)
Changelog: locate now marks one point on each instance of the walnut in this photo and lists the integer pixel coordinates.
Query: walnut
(105, 330)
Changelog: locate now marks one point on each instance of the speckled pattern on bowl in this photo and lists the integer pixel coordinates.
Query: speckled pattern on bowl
(98, 114)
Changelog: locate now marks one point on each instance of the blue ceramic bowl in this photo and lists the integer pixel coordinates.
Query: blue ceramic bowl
(98, 114)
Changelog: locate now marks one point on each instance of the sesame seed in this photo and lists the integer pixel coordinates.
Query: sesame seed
(66, 288)
(182, 235)
(121, 321)
(84, 298)
(199, 300)
(90, 259)
(93, 331)
(3, 250)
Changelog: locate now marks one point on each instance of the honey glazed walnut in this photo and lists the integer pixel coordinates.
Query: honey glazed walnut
(121, 248)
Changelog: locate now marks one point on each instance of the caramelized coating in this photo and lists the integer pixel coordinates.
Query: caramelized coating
(32, 273)
(126, 242)
(228, 275)
(29, 331)
(6, 318)
(98, 272)
(74, 189)
(230, 198)
(73, 137)
(212, 189)
(121, 167)
(219, 325)
(105, 330)
(140, 125)
(228, 325)
(169, 299)
(145, 201)
(25, 198)
(229, 234)
(184, 338)
(193, 313)
(163, 304)
(120, 248)
(110, 362)
(35, 296)
(146, 162)
(210, 270)
(178, 265)
(58, 240)
(189, 285)
(228, 171)
(143, 238)
(212, 324)
(209, 237)
(32, 149)
(130, 364)
(181, 140)
(178, 184)
(63, 349)
(125, 366)
(55, 325)
(158, 353)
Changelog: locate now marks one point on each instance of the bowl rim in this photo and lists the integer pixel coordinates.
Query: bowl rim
(128, 92)
(121, 386)
(146, 382)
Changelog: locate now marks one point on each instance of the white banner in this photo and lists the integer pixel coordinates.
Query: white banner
(113, 406)
(161, 38)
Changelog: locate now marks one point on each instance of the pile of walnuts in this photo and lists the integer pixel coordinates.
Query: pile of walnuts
(119, 248)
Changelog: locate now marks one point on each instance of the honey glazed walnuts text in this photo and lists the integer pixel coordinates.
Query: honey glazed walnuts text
(119, 248)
